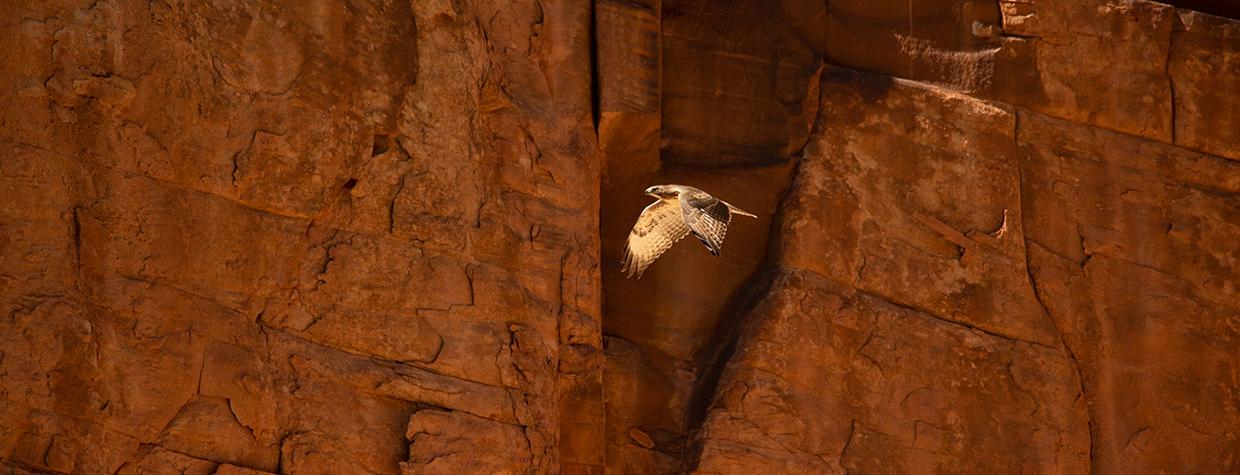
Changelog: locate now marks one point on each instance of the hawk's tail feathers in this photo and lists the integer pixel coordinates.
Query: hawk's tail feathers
(739, 211)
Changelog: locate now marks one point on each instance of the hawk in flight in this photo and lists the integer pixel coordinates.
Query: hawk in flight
(680, 210)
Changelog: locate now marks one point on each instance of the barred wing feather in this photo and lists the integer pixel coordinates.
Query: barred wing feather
(659, 227)
(709, 222)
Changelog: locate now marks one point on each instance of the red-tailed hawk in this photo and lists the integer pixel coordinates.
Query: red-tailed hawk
(680, 210)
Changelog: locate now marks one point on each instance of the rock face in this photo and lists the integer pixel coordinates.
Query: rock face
(316, 237)
(381, 237)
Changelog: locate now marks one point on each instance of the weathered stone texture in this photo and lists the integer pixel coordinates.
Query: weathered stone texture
(1103, 265)
(255, 236)
(890, 389)
(375, 236)
(1138, 267)
(1205, 70)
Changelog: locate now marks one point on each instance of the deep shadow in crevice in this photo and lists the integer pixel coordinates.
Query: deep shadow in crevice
(716, 354)
(713, 358)
(711, 95)
(595, 100)
(380, 144)
(1224, 8)
(872, 86)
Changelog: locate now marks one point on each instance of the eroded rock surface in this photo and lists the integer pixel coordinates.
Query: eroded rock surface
(381, 237)
(1084, 309)
(312, 237)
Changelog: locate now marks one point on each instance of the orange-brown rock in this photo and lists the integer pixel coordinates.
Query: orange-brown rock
(281, 236)
(375, 236)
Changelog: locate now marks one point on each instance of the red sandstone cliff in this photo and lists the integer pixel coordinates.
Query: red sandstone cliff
(381, 237)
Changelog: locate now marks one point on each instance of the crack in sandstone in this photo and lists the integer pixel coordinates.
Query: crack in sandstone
(852, 432)
(328, 245)
(396, 365)
(244, 152)
(392, 204)
(76, 232)
(148, 447)
(1037, 295)
(469, 282)
(1134, 436)
(869, 337)
(514, 346)
(255, 208)
(1171, 116)
(1192, 288)
(181, 186)
(101, 301)
(928, 313)
(97, 423)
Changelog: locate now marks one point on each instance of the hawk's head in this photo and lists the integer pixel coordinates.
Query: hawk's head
(663, 192)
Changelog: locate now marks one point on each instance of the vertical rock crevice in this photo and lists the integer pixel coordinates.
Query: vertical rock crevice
(1024, 191)
(712, 95)
(714, 356)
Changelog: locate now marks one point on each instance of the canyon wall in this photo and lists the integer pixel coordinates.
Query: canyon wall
(1007, 248)
(383, 236)
(303, 237)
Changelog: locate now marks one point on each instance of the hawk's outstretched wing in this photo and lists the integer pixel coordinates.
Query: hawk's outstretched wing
(707, 217)
(660, 225)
